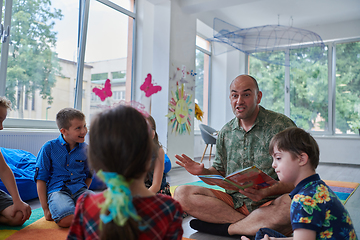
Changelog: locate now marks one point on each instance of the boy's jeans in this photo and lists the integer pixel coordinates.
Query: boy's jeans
(62, 203)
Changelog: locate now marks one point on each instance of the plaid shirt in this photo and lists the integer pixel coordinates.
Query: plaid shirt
(237, 149)
(161, 213)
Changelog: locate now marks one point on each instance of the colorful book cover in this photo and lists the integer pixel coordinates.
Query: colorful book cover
(251, 177)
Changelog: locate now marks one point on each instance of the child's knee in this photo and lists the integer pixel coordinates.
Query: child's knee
(66, 221)
(17, 220)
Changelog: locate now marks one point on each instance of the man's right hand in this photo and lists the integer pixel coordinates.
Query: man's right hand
(190, 165)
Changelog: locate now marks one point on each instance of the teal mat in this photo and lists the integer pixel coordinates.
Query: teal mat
(202, 184)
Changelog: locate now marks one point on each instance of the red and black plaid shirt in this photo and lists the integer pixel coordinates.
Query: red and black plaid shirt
(160, 213)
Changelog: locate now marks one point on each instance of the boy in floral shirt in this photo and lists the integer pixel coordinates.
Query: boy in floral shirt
(316, 212)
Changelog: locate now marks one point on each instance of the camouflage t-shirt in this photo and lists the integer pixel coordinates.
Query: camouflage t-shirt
(237, 149)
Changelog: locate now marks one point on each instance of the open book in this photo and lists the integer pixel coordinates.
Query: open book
(251, 177)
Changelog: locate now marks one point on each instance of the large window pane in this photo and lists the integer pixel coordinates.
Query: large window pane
(271, 79)
(309, 89)
(202, 80)
(347, 88)
(109, 54)
(39, 83)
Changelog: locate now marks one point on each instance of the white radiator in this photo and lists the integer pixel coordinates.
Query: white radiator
(30, 141)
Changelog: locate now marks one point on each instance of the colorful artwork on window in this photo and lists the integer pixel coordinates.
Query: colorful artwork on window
(149, 87)
(104, 92)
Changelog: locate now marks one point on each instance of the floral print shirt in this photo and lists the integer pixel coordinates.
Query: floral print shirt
(237, 149)
(315, 207)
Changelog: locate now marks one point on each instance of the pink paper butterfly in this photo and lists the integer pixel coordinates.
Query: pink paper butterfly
(104, 92)
(148, 87)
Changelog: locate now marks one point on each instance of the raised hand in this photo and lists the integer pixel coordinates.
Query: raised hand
(190, 165)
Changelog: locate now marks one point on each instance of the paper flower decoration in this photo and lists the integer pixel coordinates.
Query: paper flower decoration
(104, 92)
(179, 107)
(148, 87)
(198, 113)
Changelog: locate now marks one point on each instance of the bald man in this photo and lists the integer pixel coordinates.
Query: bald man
(241, 143)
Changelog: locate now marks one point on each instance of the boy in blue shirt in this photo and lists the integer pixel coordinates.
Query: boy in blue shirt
(315, 212)
(62, 172)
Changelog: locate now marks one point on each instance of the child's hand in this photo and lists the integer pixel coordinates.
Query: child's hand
(47, 215)
(266, 237)
(22, 207)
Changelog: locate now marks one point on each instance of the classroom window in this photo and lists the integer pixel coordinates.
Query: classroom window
(270, 79)
(309, 90)
(202, 63)
(42, 54)
(306, 98)
(112, 60)
(347, 111)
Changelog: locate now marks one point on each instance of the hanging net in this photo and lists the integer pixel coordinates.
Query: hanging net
(262, 41)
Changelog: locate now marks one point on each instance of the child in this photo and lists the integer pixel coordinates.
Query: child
(120, 150)
(315, 212)
(62, 172)
(13, 211)
(155, 180)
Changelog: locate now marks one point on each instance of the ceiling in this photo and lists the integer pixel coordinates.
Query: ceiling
(251, 13)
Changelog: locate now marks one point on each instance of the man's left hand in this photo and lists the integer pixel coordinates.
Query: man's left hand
(253, 194)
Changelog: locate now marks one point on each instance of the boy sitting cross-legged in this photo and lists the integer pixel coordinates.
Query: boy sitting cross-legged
(13, 211)
(315, 212)
(62, 172)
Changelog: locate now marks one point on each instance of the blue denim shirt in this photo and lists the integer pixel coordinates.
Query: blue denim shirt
(61, 168)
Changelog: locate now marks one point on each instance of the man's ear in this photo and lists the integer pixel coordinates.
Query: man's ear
(259, 96)
(303, 159)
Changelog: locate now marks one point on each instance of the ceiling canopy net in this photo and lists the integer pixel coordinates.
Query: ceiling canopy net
(263, 41)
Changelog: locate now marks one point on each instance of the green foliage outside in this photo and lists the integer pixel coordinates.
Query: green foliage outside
(347, 86)
(270, 79)
(309, 87)
(32, 63)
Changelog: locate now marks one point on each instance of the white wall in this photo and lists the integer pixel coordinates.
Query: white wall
(350, 29)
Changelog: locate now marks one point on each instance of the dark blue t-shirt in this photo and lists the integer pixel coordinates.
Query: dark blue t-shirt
(315, 207)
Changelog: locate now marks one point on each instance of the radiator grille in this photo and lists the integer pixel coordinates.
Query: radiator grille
(28, 141)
